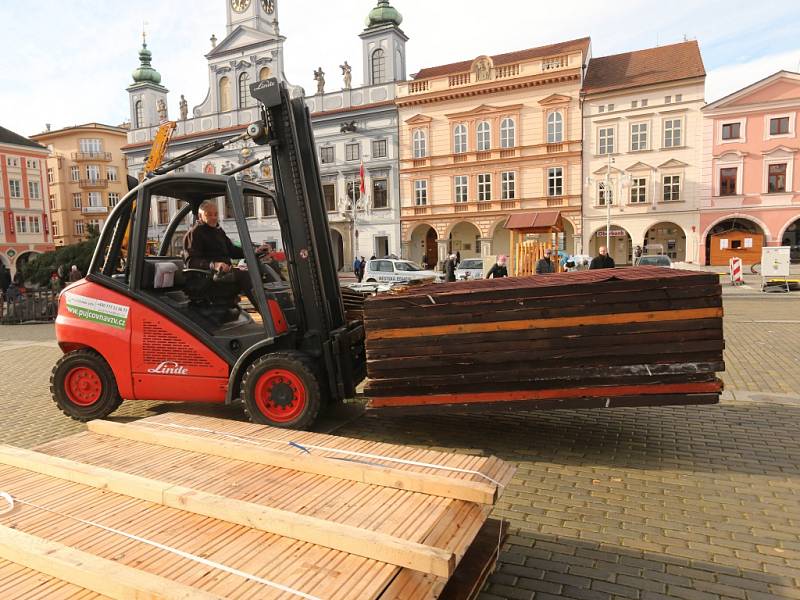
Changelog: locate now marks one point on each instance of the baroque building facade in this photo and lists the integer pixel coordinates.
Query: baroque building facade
(642, 152)
(487, 138)
(751, 171)
(24, 214)
(366, 116)
(87, 174)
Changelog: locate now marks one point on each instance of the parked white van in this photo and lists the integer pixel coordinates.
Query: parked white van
(389, 270)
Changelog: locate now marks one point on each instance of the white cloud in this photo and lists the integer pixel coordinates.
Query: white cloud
(728, 79)
(70, 62)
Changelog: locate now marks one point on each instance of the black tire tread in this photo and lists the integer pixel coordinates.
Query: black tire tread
(59, 399)
(307, 364)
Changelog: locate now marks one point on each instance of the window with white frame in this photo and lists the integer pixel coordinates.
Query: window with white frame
(678, 97)
(15, 188)
(34, 224)
(113, 198)
(95, 224)
(76, 200)
(380, 192)
(352, 151)
(421, 192)
(643, 102)
(34, 191)
(55, 228)
(51, 176)
(634, 103)
(731, 131)
(460, 138)
(776, 178)
(21, 223)
(79, 228)
(779, 126)
(111, 174)
(484, 136)
(461, 186)
(378, 66)
(245, 100)
(484, 187)
(673, 134)
(420, 144)
(91, 145)
(605, 140)
(326, 155)
(92, 172)
(379, 149)
(601, 108)
(138, 114)
(31, 163)
(12, 161)
(52, 201)
(508, 133)
(638, 190)
(604, 196)
(610, 108)
(672, 188)
(74, 173)
(508, 185)
(95, 199)
(555, 181)
(555, 127)
(638, 137)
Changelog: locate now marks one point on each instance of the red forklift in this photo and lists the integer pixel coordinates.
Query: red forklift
(141, 326)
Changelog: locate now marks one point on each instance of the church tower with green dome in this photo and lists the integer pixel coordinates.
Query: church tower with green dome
(148, 98)
(384, 45)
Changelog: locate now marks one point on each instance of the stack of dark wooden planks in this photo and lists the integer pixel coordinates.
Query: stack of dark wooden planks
(616, 337)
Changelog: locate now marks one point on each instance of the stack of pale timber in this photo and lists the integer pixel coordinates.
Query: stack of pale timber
(221, 509)
(615, 337)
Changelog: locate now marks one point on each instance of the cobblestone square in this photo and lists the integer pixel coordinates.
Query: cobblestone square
(695, 503)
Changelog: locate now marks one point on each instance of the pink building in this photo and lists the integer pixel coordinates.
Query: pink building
(751, 170)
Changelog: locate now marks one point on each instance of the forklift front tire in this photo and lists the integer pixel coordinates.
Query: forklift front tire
(83, 386)
(282, 390)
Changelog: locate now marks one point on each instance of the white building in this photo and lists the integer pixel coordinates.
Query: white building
(641, 114)
(364, 116)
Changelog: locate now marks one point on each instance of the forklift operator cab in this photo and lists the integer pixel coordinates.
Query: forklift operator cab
(141, 326)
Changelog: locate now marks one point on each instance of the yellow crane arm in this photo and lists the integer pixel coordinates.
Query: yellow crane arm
(159, 148)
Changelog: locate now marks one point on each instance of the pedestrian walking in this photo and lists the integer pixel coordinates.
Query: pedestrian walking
(498, 269)
(55, 285)
(5, 278)
(450, 268)
(362, 268)
(545, 265)
(602, 260)
(74, 274)
(357, 269)
(458, 257)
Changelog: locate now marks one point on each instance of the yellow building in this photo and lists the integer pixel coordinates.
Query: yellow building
(87, 174)
(481, 140)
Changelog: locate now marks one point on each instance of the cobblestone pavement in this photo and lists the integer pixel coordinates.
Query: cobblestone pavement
(692, 503)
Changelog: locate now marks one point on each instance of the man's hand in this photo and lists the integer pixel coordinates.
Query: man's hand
(263, 249)
(222, 267)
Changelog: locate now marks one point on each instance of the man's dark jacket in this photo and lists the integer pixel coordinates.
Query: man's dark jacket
(203, 244)
(602, 262)
(545, 265)
(497, 271)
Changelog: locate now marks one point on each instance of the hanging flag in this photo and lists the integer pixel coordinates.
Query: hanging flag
(362, 186)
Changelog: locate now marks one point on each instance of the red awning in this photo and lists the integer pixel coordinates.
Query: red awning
(535, 222)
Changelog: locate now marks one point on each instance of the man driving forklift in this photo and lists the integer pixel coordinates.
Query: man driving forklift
(206, 246)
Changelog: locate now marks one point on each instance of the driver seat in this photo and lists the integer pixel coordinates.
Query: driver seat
(215, 295)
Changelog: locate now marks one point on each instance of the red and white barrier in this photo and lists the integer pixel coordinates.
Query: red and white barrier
(735, 265)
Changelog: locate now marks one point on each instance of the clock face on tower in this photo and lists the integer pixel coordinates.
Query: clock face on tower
(268, 5)
(240, 5)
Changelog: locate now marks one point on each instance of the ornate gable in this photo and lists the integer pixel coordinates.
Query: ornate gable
(419, 119)
(555, 99)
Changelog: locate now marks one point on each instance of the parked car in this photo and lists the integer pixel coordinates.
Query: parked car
(653, 260)
(470, 268)
(387, 270)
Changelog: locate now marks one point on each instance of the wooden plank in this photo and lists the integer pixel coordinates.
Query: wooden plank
(434, 485)
(477, 564)
(339, 536)
(636, 317)
(92, 572)
(577, 392)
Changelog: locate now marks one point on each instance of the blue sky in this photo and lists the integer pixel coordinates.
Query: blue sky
(69, 61)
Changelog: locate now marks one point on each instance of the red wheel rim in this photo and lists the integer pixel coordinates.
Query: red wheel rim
(83, 386)
(280, 395)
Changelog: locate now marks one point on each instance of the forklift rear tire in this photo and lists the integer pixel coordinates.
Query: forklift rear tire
(282, 390)
(83, 386)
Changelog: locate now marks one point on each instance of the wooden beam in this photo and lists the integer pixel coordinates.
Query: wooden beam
(612, 319)
(338, 536)
(483, 492)
(91, 572)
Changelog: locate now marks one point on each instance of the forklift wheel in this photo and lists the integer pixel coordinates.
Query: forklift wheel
(282, 390)
(83, 386)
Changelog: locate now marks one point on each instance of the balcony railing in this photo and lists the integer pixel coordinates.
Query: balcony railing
(506, 71)
(553, 202)
(462, 207)
(483, 155)
(460, 79)
(94, 210)
(81, 156)
(420, 210)
(416, 87)
(93, 183)
(559, 147)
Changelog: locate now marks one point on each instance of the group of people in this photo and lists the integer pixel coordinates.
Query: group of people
(359, 266)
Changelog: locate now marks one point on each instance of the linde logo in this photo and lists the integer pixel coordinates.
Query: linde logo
(169, 367)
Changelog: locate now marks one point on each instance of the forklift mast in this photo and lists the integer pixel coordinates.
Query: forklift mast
(303, 219)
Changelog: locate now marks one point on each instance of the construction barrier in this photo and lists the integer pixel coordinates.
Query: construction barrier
(31, 306)
(735, 266)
